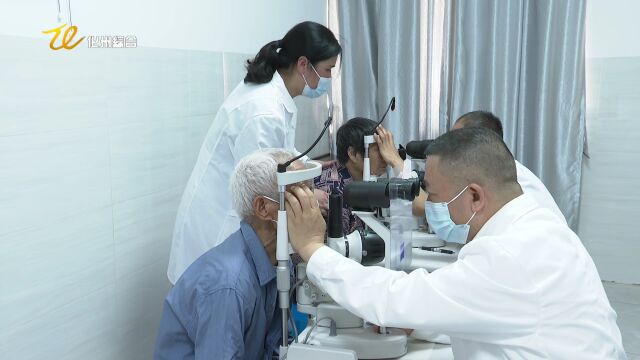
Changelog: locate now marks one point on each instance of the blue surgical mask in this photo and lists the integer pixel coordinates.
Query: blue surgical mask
(439, 220)
(323, 86)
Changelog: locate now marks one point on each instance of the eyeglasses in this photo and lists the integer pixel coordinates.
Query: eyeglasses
(306, 183)
(269, 198)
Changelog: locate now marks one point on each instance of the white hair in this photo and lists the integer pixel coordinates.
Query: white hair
(255, 175)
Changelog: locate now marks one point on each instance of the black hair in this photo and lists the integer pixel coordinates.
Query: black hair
(308, 38)
(483, 119)
(474, 154)
(351, 134)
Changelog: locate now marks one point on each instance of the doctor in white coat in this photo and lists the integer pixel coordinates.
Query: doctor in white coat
(259, 113)
(524, 287)
(529, 182)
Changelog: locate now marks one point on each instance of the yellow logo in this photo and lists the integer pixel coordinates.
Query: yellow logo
(67, 38)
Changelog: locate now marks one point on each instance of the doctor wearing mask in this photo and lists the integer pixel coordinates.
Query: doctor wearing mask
(259, 113)
(523, 287)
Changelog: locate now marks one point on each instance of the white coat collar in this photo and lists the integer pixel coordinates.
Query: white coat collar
(507, 215)
(287, 100)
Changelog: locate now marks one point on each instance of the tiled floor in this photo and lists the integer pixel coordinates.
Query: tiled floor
(625, 300)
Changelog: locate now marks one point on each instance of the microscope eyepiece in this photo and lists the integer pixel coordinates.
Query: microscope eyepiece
(369, 195)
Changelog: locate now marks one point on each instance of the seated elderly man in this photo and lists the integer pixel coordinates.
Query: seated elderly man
(224, 305)
(523, 287)
(349, 166)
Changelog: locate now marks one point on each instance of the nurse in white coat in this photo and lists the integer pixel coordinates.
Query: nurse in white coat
(524, 287)
(259, 113)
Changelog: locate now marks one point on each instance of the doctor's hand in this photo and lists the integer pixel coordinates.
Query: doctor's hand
(305, 222)
(388, 151)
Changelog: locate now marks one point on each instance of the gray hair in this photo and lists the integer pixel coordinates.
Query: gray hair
(255, 175)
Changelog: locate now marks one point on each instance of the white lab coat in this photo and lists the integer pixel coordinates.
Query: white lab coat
(252, 117)
(524, 288)
(531, 184)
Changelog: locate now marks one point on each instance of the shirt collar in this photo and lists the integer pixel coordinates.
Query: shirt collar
(287, 100)
(264, 267)
(339, 168)
(507, 215)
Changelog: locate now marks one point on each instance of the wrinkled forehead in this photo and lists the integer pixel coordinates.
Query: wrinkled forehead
(296, 165)
(299, 165)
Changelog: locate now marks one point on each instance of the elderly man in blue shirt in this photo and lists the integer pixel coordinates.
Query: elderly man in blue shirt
(224, 305)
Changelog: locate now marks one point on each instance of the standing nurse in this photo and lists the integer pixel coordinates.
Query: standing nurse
(259, 113)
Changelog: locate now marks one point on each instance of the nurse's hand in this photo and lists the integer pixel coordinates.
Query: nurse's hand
(387, 148)
(305, 222)
(323, 201)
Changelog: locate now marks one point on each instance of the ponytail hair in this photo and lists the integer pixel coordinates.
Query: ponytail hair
(260, 70)
(308, 38)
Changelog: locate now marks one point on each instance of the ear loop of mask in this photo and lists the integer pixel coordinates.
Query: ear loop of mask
(460, 193)
(314, 70)
(471, 218)
(305, 80)
(457, 196)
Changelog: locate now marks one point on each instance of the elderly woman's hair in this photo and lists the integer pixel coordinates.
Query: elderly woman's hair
(255, 175)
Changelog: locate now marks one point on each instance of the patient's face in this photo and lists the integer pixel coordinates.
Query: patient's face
(378, 165)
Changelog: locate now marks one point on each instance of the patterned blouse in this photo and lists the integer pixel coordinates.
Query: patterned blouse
(336, 176)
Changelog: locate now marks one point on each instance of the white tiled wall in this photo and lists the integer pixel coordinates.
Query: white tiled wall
(609, 209)
(95, 148)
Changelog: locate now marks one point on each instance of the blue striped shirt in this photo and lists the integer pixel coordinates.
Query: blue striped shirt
(224, 305)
